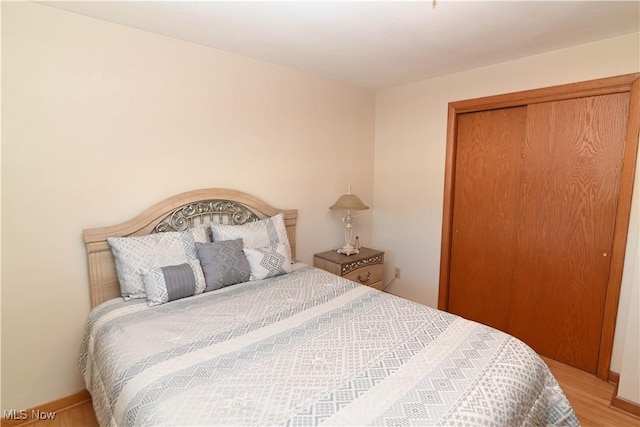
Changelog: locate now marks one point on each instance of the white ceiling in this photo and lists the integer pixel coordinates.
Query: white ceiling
(375, 44)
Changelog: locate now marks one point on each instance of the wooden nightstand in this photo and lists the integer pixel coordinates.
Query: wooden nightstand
(365, 267)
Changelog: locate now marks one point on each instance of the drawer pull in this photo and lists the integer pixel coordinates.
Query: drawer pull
(364, 279)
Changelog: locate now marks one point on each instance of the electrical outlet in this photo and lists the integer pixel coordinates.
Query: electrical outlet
(396, 272)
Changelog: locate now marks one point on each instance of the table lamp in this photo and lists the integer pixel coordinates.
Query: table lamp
(348, 203)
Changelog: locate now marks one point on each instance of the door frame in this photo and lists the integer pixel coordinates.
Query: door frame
(629, 83)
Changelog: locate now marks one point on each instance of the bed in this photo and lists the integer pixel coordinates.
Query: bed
(300, 348)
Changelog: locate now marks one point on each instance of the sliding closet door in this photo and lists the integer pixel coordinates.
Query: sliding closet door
(570, 176)
(486, 201)
(537, 199)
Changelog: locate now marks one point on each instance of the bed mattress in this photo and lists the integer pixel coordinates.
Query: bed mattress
(309, 348)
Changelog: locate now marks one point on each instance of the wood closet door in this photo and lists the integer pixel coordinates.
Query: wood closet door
(486, 201)
(570, 175)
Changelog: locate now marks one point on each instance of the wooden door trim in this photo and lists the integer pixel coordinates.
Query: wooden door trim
(627, 175)
(605, 86)
(447, 214)
(619, 84)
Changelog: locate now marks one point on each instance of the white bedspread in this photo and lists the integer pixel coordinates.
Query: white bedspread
(309, 348)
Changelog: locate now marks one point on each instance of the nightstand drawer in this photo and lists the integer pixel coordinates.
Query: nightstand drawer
(365, 267)
(367, 275)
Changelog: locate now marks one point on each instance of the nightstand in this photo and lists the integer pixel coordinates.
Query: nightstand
(365, 267)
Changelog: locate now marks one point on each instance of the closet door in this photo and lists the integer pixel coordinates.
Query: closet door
(570, 177)
(537, 198)
(486, 202)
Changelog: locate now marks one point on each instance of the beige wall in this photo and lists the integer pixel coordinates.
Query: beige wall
(100, 121)
(411, 125)
(627, 352)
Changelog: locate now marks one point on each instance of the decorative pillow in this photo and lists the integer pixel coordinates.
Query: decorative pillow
(257, 234)
(200, 233)
(164, 284)
(268, 261)
(223, 263)
(135, 254)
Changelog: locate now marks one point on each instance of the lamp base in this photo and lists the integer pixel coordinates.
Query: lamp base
(348, 250)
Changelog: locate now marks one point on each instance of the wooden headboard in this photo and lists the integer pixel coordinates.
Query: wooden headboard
(176, 213)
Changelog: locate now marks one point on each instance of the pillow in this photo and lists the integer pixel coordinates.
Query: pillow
(268, 261)
(200, 233)
(135, 254)
(257, 234)
(223, 263)
(164, 284)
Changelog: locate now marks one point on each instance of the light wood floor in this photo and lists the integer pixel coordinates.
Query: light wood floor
(589, 396)
(78, 416)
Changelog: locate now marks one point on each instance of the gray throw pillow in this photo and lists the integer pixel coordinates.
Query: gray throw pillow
(223, 263)
(169, 283)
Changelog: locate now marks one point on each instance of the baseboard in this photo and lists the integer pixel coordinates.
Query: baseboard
(625, 405)
(620, 402)
(614, 378)
(22, 417)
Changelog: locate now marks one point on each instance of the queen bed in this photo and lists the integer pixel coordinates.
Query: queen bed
(272, 341)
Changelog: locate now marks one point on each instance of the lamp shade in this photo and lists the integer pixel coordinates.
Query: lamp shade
(349, 202)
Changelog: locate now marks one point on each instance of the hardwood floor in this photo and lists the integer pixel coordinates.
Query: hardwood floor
(589, 396)
(81, 415)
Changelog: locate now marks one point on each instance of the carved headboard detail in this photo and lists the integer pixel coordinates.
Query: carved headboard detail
(177, 213)
(204, 212)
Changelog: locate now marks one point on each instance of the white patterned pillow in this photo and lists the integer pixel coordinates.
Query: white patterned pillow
(200, 233)
(164, 284)
(268, 261)
(135, 254)
(257, 234)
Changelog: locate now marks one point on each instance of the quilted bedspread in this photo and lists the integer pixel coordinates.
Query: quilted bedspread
(309, 348)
